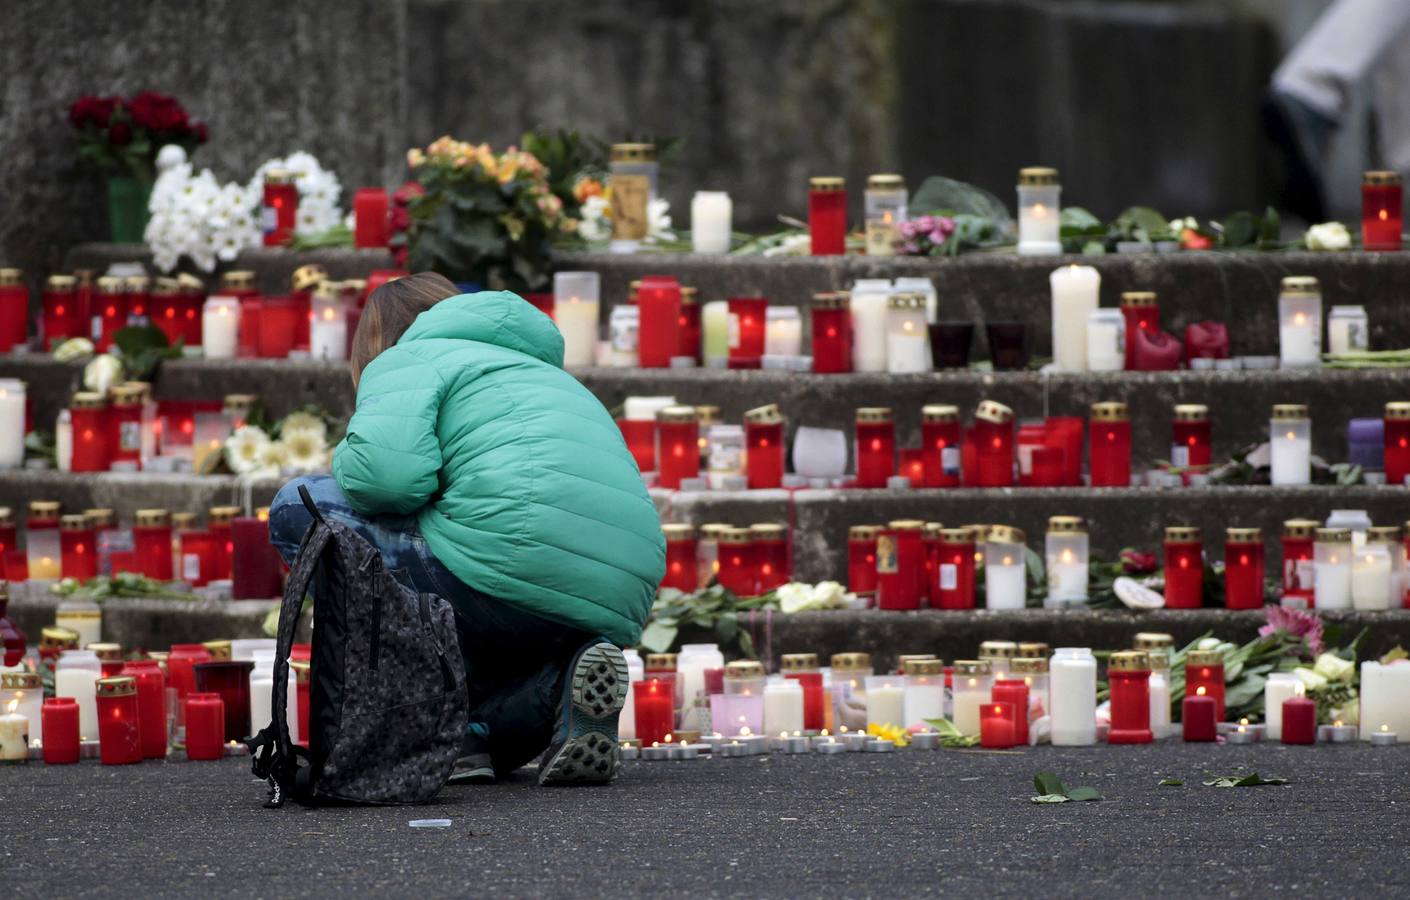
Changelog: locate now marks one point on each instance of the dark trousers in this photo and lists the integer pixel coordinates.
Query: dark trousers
(514, 661)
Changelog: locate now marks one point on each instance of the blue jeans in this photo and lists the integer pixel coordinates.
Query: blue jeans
(514, 661)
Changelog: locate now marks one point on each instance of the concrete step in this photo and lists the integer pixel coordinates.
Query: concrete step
(149, 622)
(127, 492)
(273, 266)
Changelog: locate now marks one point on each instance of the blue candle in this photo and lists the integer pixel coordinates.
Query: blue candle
(1365, 441)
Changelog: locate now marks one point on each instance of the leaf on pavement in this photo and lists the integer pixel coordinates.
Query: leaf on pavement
(1084, 793)
(1048, 783)
(1050, 798)
(1170, 782)
(1250, 780)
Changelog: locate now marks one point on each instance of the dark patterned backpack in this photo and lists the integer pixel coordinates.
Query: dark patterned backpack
(387, 707)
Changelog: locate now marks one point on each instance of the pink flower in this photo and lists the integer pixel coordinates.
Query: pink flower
(906, 230)
(925, 223)
(1134, 562)
(1295, 623)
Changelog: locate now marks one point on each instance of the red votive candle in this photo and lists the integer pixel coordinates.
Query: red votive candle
(1067, 433)
(1129, 674)
(192, 295)
(90, 430)
(875, 448)
(78, 548)
(278, 322)
(770, 542)
(861, 559)
(682, 572)
(62, 318)
(1154, 351)
(900, 565)
(1204, 676)
(832, 333)
(9, 539)
(109, 309)
(136, 287)
(14, 309)
(1190, 437)
(658, 301)
(230, 679)
(654, 704)
(714, 681)
(1206, 340)
(280, 207)
(912, 466)
(1141, 314)
(814, 700)
(1184, 568)
(255, 564)
(954, 587)
(940, 444)
(677, 445)
(1048, 467)
(746, 331)
(993, 444)
(996, 728)
(151, 705)
(109, 657)
(688, 328)
(205, 726)
(60, 718)
(119, 731)
(197, 562)
(218, 520)
(125, 423)
(763, 443)
(1199, 717)
(1397, 442)
(151, 541)
(640, 435)
(371, 217)
(1014, 693)
(1298, 576)
(827, 215)
(1110, 448)
(1243, 568)
(739, 572)
(930, 553)
(165, 310)
(1299, 721)
(1382, 211)
(1031, 436)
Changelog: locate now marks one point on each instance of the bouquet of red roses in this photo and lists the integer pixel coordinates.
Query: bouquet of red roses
(122, 135)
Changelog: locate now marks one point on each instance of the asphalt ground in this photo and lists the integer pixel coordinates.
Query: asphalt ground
(850, 825)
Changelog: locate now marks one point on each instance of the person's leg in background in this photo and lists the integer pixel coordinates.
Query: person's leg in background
(1391, 102)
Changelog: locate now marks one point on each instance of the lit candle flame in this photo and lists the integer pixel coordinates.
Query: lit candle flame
(745, 732)
(1337, 723)
(783, 735)
(670, 737)
(1243, 721)
(1067, 556)
(824, 732)
(1300, 319)
(1384, 728)
(14, 704)
(1383, 215)
(1039, 210)
(1200, 691)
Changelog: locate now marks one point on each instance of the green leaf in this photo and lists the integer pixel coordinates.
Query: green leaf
(659, 635)
(938, 194)
(1048, 783)
(1250, 780)
(1084, 793)
(1240, 230)
(1141, 223)
(1079, 220)
(1170, 782)
(1049, 798)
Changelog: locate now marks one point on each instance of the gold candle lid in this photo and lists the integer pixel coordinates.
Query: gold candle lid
(633, 152)
(1334, 535)
(106, 651)
(136, 284)
(850, 662)
(863, 532)
(1005, 534)
(1160, 658)
(302, 670)
(1398, 410)
(1033, 650)
(56, 637)
(20, 681)
(1067, 525)
(183, 520)
(827, 183)
(764, 415)
(713, 530)
(678, 532)
(116, 686)
(998, 650)
(129, 394)
(885, 182)
(1380, 176)
(939, 413)
(151, 518)
(1384, 534)
(676, 415)
(735, 536)
(707, 414)
(75, 522)
(237, 280)
(690, 295)
(44, 510)
(872, 415)
(767, 531)
(659, 661)
(1037, 176)
(928, 666)
(239, 403)
(108, 284)
(993, 411)
(1129, 661)
(798, 662)
(1029, 665)
(62, 284)
(11, 276)
(328, 289)
(964, 535)
(101, 517)
(973, 667)
(1243, 535)
(222, 515)
(219, 650)
(1182, 534)
(87, 400)
(831, 300)
(905, 525)
(6, 516)
(1289, 412)
(1110, 411)
(1138, 299)
(906, 301)
(933, 529)
(165, 287)
(279, 176)
(1191, 412)
(1301, 284)
(190, 284)
(1204, 658)
(744, 668)
(1300, 528)
(307, 276)
(1153, 640)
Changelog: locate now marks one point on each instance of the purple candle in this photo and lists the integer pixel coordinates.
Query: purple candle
(1365, 442)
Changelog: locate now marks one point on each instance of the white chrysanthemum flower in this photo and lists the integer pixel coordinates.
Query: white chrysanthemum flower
(1328, 236)
(274, 456)
(307, 450)
(245, 449)
(228, 245)
(102, 372)
(303, 423)
(594, 227)
(170, 156)
(658, 221)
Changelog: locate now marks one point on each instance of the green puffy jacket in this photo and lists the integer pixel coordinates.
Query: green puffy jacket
(524, 486)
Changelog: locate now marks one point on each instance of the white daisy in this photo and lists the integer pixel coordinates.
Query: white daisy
(245, 449)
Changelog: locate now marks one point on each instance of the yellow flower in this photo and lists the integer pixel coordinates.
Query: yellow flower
(890, 732)
(415, 158)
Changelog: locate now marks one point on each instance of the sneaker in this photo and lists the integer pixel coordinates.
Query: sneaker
(584, 748)
(475, 768)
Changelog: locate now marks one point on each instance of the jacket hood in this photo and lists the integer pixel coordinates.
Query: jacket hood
(501, 318)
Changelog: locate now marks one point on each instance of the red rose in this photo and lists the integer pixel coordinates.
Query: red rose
(120, 134)
(158, 112)
(199, 132)
(97, 110)
(408, 190)
(1133, 562)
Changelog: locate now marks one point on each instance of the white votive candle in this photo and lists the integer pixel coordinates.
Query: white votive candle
(783, 707)
(1371, 577)
(1290, 444)
(1075, 291)
(12, 402)
(328, 329)
(220, 327)
(1038, 212)
(868, 303)
(783, 331)
(576, 298)
(1385, 698)
(886, 700)
(14, 735)
(1106, 340)
(972, 682)
(1331, 568)
(711, 213)
(1072, 693)
(1300, 323)
(76, 675)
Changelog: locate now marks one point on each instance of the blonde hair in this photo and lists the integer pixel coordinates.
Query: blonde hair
(389, 313)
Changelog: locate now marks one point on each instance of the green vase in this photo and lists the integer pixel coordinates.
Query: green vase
(127, 208)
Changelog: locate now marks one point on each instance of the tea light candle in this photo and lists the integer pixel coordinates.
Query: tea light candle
(1290, 441)
(14, 735)
(1005, 571)
(880, 745)
(1385, 698)
(886, 700)
(1038, 212)
(629, 750)
(869, 304)
(220, 327)
(1106, 341)
(1331, 568)
(1384, 737)
(1337, 733)
(1075, 291)
(576, 298)
(796, 743)
(732, 750)
(684, 751)
(829, 745)
(711, 213)
(1240, 736)
(656, 752)
(925, 740)
(1300, 323)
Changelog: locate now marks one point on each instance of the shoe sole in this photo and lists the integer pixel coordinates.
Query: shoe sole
(590, 754)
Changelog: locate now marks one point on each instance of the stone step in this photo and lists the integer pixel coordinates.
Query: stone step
(1239, 402)
(1239, 289)
(149, 622)
(127, 492)
(273, 266)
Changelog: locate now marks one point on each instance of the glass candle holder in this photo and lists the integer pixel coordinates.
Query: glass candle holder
(1372, 573)
(681, 570)
(90, 432)
(654, 708)
(1067, 552)
(14, 310)
(763, 441)
(940, 444)
(886, 700)
(875, 448)
(137, 287)
(1396, 442)
(1014, 691)
(640, 437)
(195, 558)
(783, 331)
(1038, 211)
(151, 540)
(1129, 674)
(125, 424)
(1141, 312)
(688, 325)
(1300, 323)
(151, 705)
(1073, 697)
(714, 329)
(994, 444)
(1243, 568)
(924, 692)
(109, 311)
(1032, 436)
(119, 730)
(1382, 210)
(726, 452)
(711, 214)
(78, 548)
(868, 303)
(165, 309)
(13, 407)
(42, 551)
(1290, 444)
(1005, 571)
(885, 210)
(677, 446)
(783, 708)
(950, 344)
(26, 691)
(1106, 340)
(1008, 344)
(1392, 537)
(827, 215)
(955, 570)
(1110, 445)
(747, 318)
(632, 175)
(220, 328)
(1033, 672)
(1190, 438)
(1298, 576)
(230, 679)
(907, 335)
(277, 323)
(328, 325)
(1204, 677)
(1184, 568)
(204, 715)
(971, 683)
(279, 208)
(997, 730)
(745, 678)
(191, 294)
(1075, 291)
(1348, 330)
(658, 313)
(738, 572)
(861, 559)
(61, 317)
(832, 333)
(900, 565)
(849, 691)
(770, 543)
(576, 304)
(255, 564)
